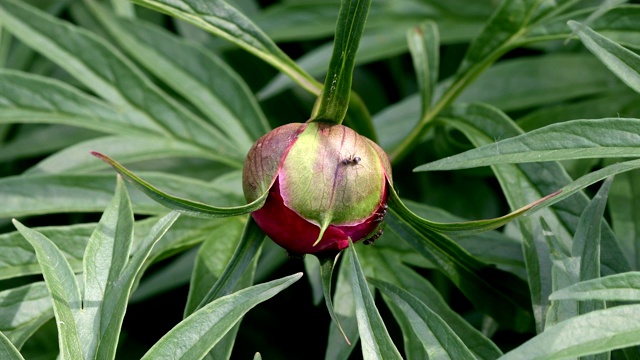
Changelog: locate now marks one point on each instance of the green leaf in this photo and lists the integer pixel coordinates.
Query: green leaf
(576, 139)
(623, 202)
(622, 62)
(591, 333)
(64, 290)
(541, 80)
(188, 207)
(424, 45)
(31, 195)
(223, 20)
(211, 260)
(327, 264)
(104, 260)
(345, 310)
(617, 287)
(7, 350)
(29, 98)
(334, 100)
(408, 279)
(433, 333)
(196, 73)
(77, 158)
(497, 293)
(246, 253)
(23, 310)
(375, 339)
(105, 71)
(193, 337)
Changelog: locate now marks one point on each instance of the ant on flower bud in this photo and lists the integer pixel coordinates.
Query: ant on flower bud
(355, 160)
(373, 238)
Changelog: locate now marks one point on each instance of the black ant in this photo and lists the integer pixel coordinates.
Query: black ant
(355, 160)
(370, 240)
(381, 214)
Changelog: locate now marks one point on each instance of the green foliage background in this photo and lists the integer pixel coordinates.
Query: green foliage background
(483, 106)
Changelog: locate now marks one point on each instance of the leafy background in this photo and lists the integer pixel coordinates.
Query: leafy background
(546, 90)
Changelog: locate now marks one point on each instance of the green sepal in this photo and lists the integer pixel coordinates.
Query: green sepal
(188, 207)
(328, 262)
(467, 227)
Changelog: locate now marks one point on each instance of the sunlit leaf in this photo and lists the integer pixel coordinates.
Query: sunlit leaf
(617, 287)
(8, 350)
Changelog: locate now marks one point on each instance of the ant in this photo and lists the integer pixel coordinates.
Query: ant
(355, 160)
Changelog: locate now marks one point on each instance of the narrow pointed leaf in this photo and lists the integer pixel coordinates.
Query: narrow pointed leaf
(23, 310)
(576, 139)
(497, 293)
(246, 252)
(617, 287)
(8, 351)
(375, 339)
(193, 337)
(30, 98)
(105, 258)
(349, 29)
(624, 202)
(327, 264)
(188, 207)
(221, 19)
(101, 68)
(424, 45)
(345, 310)
(591, 333)
(64, 290)
(622, 62)
(195, 72)
(433, 333)
(117, 296)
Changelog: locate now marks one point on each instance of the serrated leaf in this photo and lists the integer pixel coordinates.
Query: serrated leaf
(193, 337)
(374, 337)
(64, 289)
(192, 208)
(591, 333)
(617, 287)
(223, 20)
(575, 139)
(622, 62)
(435, 335)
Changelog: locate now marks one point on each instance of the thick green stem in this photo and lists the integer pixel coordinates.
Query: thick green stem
(334, 100)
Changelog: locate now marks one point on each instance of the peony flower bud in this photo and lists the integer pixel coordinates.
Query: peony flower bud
(326, 184)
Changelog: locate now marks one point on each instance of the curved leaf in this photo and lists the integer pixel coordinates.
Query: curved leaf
(223, 20)
(196, 73)
(101, 68)
(622, 62)
(432, 332)
(617, 287)
(246, 252)
(327, 264)
(193, 337)
(498, 293)
(23, 310)
(576, 139)
(192, 208)
(64, 290)
(424, 45)
(375, 339)
(591, 333)
(8, 351)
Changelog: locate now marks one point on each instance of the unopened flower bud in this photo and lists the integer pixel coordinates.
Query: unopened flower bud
(326, 184)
